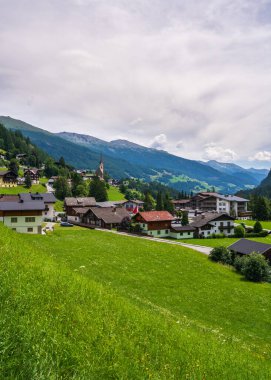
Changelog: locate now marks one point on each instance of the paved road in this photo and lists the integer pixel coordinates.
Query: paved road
(199, 248)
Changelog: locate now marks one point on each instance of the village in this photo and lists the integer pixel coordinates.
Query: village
(205, 215)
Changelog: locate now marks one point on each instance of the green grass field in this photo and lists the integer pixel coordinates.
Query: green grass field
(22, 189)
(83, 304)
(265, 224)
(222, 242)
(59, 206)
(114, 194)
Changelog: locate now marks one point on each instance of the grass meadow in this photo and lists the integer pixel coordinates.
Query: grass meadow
(83, 304)
(265, 224)
(114, 194)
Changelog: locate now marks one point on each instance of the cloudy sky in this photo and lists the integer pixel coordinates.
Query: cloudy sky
(193, 78)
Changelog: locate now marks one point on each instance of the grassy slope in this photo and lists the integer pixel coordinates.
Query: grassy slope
(101, 306)
(114, 194)
(225, 242)
(251, 223)
(22, 189)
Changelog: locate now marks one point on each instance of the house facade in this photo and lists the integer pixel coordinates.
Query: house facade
(72, 203)
(210, 223)
(106, 217)
(48, 199)
(34, 174)
(8, 179)
(211, 201)
(182, 232)
(20, 216)
(155, 223)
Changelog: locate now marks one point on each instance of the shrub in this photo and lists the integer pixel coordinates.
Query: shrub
(216, 236)
(257, 227)
(255, 268)
(221, 254)
(239, 263)
(258, 234)
(239, 231)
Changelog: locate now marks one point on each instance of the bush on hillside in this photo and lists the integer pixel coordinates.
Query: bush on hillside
(257, 227)
(254, 234)
(239, 231)
(239, 263)
(255, 268)
(222, 255)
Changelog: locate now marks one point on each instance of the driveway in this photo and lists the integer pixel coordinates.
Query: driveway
(199, 248)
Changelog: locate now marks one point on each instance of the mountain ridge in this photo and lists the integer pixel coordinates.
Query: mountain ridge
(127, 159)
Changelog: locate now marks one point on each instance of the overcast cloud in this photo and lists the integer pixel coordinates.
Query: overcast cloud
(193, 78)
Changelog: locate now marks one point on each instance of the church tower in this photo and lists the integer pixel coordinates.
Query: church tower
(100, 169)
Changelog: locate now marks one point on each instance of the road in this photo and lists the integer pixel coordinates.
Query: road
(199, 248)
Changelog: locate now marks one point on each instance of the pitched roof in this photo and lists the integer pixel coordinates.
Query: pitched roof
(32, 170)
(245, 247)
(156, 216)
(136, 201)
(80, 202)
(109, 214)
(22, 206)
(5, 172)
(45, 197)
(80, 210)
(203, 219)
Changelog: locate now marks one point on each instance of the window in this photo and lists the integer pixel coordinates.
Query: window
(14, 220)
(166, 231)
(29, 229)
(158, 232)
(143, 225)
(209, 232)
(188, 233)
(30, 219)
(13, 229)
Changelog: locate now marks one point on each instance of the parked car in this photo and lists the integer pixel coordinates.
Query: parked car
(66, 224)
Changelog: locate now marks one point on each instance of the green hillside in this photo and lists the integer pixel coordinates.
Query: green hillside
(81, 304)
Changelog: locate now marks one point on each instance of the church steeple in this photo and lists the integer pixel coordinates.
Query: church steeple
(100, 169)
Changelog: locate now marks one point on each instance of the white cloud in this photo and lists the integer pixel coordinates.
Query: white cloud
(261, 156)
(159, 141)
(218, 153)
(188, 70)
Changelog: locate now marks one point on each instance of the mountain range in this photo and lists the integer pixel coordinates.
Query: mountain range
(126, 159)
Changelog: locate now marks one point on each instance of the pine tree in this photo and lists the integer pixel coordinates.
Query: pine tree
(168, 205)
(14, 166)
(159, 202)
(62, 188)
(185, 220)
(28, 182)
(148, 202)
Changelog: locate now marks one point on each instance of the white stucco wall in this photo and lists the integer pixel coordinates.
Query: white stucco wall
(21, 225)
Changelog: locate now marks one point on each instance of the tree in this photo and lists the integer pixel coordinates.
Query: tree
(239, 231)
(81, 191)
(185, 220)
(28, 182)
(62, 162)
(257, 227)
(159, 202)
(14, 166)
(261, 209)
(97, 189)
(148, 202)
(62, 188)
(168, 205)
(221, 254)
(255, 268)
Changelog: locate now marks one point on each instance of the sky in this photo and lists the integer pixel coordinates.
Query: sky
(189, 77)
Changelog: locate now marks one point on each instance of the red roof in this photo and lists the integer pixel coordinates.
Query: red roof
(156, 216)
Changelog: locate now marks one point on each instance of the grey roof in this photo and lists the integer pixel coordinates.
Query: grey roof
(232, 198)
(136, 201)
(22, 206)
(80, 202)
(245, 247)
(80, 210)
(109, 214)
(45, 197)
(182, 228)
(203, 219)
(107, 204)
(4, 172)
